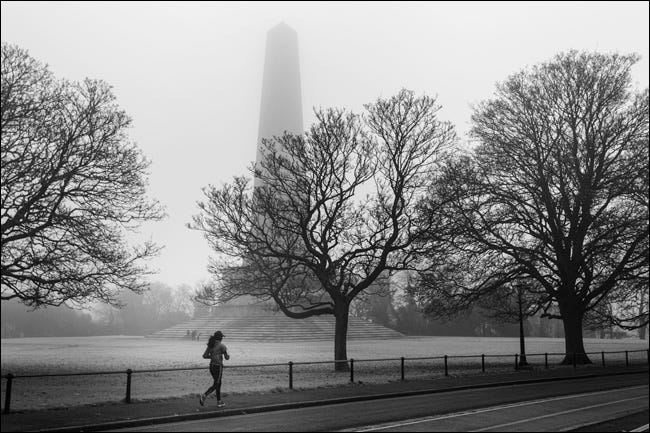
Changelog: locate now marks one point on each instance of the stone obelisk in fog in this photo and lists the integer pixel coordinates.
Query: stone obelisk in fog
(281, 107)
(246, 318)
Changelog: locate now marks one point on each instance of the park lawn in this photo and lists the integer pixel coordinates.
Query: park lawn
(118, 353)
(106, 353)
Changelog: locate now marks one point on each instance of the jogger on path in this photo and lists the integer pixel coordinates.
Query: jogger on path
(216, 352)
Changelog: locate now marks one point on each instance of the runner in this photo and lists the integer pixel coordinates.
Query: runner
(215, 351)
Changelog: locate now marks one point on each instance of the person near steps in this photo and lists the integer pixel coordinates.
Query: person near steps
(216, 352)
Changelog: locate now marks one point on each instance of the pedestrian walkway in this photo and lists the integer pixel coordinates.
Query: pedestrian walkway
(115, 415)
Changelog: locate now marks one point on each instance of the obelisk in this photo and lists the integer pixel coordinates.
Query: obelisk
(281, 106)
(280, 109)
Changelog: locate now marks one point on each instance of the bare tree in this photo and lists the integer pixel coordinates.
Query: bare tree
(465, 284)
(315, 235)
(625, 308)
(160, 307)
(71, 184)
(556, 187)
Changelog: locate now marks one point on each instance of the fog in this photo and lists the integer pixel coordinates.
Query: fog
(190, 74)
(161, 307)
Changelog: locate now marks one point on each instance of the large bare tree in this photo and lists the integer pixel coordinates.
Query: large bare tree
(557, 189)
(71, 184)
(335, 210)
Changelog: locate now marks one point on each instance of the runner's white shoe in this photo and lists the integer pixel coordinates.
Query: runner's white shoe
(220, 403)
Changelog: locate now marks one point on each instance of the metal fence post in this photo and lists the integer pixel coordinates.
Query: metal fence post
(602, 356)
(290, 375)
(516, 361)
(128, 385)
(402, 367)
(8, 393)
(483, 363)
(627, 360)
(352, 370)
(546, 361)
(446, 367)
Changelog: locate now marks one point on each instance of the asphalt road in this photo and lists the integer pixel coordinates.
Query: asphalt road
(549, 406)
(547, 414)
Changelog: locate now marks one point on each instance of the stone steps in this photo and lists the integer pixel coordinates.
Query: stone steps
(251, 325)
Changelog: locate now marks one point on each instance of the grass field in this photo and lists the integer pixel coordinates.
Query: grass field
(117, 353)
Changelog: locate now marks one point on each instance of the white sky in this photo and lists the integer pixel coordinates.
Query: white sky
(190, 74)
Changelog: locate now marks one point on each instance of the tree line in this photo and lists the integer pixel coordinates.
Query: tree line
(545, 213)
(549, 205)
(160, 307)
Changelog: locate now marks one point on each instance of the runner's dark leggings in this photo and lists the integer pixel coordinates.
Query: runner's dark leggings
(216, 371)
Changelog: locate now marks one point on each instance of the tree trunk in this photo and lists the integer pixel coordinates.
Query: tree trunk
(341, 337)
(573, 343)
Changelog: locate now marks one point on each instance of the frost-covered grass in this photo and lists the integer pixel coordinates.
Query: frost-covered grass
(117, 353)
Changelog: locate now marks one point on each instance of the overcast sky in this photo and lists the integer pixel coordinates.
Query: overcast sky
(190, 74)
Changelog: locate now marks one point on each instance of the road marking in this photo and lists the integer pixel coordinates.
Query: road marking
(564, 412)
(640, 429)
(488, 409)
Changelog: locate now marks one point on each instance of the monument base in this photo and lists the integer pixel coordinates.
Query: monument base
(259, 322)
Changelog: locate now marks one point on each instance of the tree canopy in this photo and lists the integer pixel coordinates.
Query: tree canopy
(72, 183)
(556, 191)
(335, 210)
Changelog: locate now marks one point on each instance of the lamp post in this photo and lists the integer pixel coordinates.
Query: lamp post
(522, 348)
